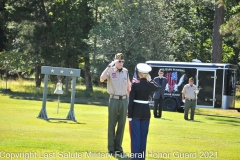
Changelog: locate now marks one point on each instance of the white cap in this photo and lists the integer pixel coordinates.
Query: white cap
(143, 68)
(196, 60)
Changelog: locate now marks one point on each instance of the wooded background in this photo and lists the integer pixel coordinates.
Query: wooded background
(86, 34)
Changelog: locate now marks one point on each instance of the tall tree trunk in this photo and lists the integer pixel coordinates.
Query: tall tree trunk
(38, 77)
(88, 79)
(217, 37)
(3, 38)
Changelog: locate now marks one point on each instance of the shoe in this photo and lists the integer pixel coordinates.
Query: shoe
(119, 153)
(111, 153)
(186, 119)
(191, 119)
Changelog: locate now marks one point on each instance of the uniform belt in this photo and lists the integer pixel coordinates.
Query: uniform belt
(118, 97)
(190, 99)
(140, 101)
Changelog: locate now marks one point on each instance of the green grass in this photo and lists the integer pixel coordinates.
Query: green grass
(23, 134)
(22, 89)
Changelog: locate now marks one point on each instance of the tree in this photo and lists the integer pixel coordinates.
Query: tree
(136, 28)
(3, 19)
(50, 33)
(217, 37)
(191, 28)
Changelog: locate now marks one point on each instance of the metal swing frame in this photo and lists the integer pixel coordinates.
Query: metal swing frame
(48, 70)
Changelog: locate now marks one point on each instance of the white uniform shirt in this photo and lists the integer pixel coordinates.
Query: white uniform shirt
(189, 91)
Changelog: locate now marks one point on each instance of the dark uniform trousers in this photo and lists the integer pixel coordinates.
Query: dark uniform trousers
(117, 112)
(189, 104)
(158, 106)
(138, 133)
(139, 111)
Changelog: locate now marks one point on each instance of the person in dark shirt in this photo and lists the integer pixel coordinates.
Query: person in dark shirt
(139, 111)
(158, 96)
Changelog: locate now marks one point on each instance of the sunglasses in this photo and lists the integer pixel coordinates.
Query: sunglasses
(160, 73)
(121, 61)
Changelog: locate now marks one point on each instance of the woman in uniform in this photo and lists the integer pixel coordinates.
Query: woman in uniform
(139, 111)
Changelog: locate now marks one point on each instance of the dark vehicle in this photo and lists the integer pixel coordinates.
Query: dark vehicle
(216, 81)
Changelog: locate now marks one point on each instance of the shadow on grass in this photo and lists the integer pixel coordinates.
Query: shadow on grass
(66, 98)
(228, 120)
(63, 121)
(165, 119)
(196, 121)
(125, 157)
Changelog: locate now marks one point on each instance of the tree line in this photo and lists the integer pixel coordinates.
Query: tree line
(86, 34)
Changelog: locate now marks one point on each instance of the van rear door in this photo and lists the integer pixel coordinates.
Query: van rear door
(206, 80)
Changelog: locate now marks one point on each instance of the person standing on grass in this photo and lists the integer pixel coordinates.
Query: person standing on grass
(189, 94)
(158, 95)
(139, 111)
(118, 86)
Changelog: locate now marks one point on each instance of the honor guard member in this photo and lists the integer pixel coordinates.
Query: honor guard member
(158, 96)
(118, 86)
(189, 94)
(139, 111)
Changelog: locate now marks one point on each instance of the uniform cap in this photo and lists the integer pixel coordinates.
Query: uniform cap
(119, 56)
(143, 68)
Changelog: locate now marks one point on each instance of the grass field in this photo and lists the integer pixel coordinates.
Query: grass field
(24, 136)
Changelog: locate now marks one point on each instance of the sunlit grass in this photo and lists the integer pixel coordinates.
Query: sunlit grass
(170, 137)
(23, 89)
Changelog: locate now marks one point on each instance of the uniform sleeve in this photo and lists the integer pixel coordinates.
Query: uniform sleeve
(154, 86)
(105, 74)
(155, 78)
(131, 98)
(196, 87)
(184, 89)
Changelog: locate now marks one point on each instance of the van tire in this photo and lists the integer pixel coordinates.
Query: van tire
(169, 105)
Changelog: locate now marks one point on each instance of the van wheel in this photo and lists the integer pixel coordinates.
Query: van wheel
(169, 105)
(181, 110)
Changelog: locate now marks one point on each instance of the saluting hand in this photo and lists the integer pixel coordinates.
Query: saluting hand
(112, 63)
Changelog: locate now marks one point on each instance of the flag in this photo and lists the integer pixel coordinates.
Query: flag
(135, 79)
(172, 80)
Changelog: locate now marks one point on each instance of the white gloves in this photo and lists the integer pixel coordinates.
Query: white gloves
(112, 63)
(183, 100)
(129, 119)
(149, 78)
(196, 91)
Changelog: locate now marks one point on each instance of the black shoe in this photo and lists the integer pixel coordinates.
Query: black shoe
(119, 153)
(191, 119)
(111, 153)
(186, 119)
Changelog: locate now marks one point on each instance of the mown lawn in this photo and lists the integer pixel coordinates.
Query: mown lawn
(26, 136)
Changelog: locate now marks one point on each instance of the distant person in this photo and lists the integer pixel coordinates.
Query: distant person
(158, 95)
(189, 94)
(139, 110)
(118, 86)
